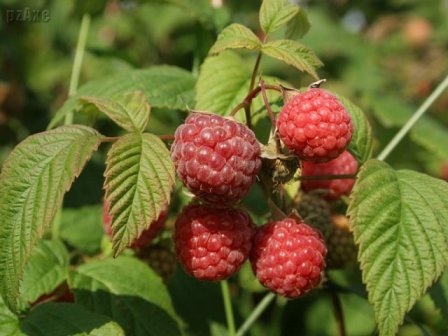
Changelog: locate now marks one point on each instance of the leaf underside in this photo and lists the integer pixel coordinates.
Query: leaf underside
(400, 223)
(139, 179)
(33, 181)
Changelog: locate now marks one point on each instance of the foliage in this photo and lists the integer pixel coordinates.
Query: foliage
(140, 77)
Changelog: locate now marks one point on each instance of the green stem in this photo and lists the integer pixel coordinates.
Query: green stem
(411, 122)
(228, 307)
(259, 309)
(79, 55)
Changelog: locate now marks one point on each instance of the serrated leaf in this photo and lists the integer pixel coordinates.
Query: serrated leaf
(9, 322)
(139, 179)
(46, 269)
(293, 53)
(62, 319)
(164, 86)
(33, 181)
(361, 145)
(81, 228)
(129, 292)
(129, 110)
(224, 82)
(298, 26)
(235, 36)
(276, 13)
(400, 223)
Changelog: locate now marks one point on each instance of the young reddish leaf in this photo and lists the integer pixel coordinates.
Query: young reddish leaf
(293, 53)
(33, 181)
(400, 223)
(129, 110)
(275, 13)
(139, 178)
(236, 36)
(361, 145)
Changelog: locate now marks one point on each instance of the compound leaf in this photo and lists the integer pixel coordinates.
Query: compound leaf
(293, 53)
(33, 181)
(129, 110)
(275, 13)
(400, 222)
(235, 36)
(298, 26)
(129, 292)
(139, 178)
(61, 319)
(164, 86)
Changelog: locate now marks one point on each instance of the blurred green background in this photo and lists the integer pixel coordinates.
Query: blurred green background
(386, 56)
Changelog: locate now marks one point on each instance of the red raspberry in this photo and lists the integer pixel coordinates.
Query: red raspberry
(343, 164)
(315, 126)
(145, 238)
(288, 257)
(212, 243)
(216, 158)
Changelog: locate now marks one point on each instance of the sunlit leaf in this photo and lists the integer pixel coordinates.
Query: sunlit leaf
(298, 26)
(400, 222)
(33, 181)
(129, 110)
(139, 179)
(293, 53)
(276, 13)
(235, 36)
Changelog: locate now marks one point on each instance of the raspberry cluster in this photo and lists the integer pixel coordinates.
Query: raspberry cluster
(216, 158)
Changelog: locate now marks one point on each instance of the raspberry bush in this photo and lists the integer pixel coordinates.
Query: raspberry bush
(243, 193)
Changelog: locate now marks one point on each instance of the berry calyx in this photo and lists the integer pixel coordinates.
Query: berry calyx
(147, 235)
(288, 257)
(212, 243)
(345, 164)
(342, 250)
(315, 126)
(216, 158)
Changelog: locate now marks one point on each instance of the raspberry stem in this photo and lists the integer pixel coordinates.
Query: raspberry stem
(259, 309)
(327, 177)
(339, 314)
(228, 307)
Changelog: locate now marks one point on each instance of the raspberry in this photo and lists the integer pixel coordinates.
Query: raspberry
(335, 188)
(315, 126)
(145, 237)
(216, 158)
(161, 260)
(315, 211)
(342, 250)
(212, 243)
(288, 257)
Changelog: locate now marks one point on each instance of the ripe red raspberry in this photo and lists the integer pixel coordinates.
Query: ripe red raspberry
(315, 126)
(343, 164)
(288, 257)
(216, 158)
(145, 238)
(212, 243)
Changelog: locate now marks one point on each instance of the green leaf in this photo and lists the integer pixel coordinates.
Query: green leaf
(400, 223)
(224, 82)
(129, 110)
(276, 13)
(129, 292)
(9, 322)
(164, 86)
(235, 36)
(293, 53)
(439, 294)
(46, 269)
(361, 145)
(33, 181)
(139, 179)
(431, 135)
(62, 319)
(82, 228)
(298, 26)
